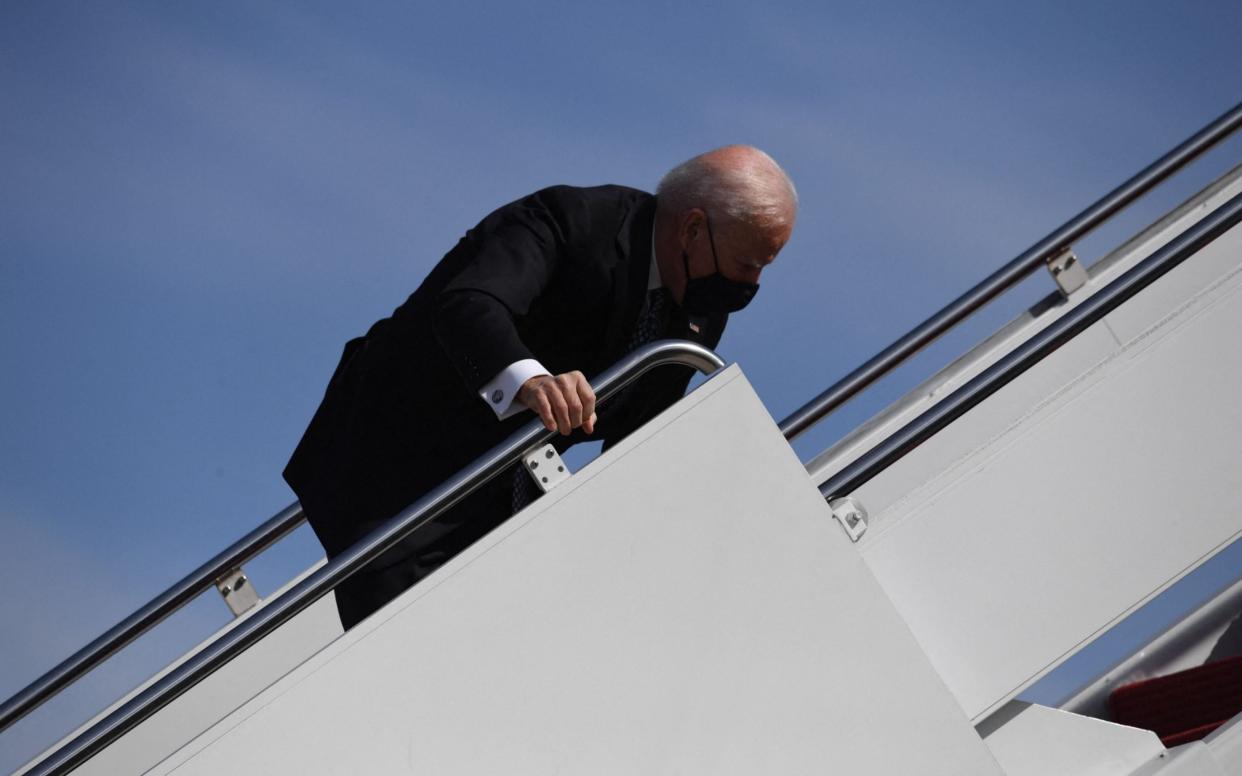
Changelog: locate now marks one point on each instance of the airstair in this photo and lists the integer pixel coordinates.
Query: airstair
(699, 600)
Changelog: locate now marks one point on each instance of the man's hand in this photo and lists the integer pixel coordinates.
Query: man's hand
(563, 403)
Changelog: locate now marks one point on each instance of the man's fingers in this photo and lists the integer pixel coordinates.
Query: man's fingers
(563, 403)
(544, 408)
(569, 390)
(587, 397)
(560, 410)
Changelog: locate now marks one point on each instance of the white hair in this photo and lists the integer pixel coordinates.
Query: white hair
(749, 187)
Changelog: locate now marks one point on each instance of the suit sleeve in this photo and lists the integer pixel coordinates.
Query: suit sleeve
(506, 263)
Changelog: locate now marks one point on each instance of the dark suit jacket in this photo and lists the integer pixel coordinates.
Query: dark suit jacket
(559, 276)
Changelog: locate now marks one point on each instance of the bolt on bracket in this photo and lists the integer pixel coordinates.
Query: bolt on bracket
(851, 515)
(545, 467)
(1068, 272)
(237, 592)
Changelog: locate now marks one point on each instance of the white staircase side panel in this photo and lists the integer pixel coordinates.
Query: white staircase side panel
(684, 604)
(203, 705)
(1076, 493)
(1194, 759)
(1225, 744)
(995, 347)
(1038, 741)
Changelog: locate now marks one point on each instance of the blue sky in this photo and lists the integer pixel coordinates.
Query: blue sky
(200, 204)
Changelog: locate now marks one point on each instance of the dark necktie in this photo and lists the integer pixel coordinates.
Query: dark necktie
(652, 320)
(652, 324)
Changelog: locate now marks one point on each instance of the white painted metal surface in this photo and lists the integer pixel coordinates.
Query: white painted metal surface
(1039, 741)
(1076, 493)
(1226, 745)
(212, 699)
(684, 604)
(1220, 754)
(1190, 760)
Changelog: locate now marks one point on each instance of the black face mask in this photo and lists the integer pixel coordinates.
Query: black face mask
(714, 293)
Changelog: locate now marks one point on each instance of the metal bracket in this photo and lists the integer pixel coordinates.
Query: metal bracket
(545, 467)
(1067, 271)
(851, 515)
(237, 592)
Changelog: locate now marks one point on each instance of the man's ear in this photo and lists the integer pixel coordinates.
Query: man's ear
(692, 223)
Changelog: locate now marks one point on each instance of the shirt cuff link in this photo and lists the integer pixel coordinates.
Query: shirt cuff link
(502, 389)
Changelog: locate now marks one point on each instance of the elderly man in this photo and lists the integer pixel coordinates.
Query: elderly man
(539, 297)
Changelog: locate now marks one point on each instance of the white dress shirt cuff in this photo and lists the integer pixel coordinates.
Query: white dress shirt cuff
(501, 390)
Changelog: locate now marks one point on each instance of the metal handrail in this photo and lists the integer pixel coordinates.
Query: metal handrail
(1009, 275)
(792, 426)
(1029, 353)
(280, 609)
(149, 615)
